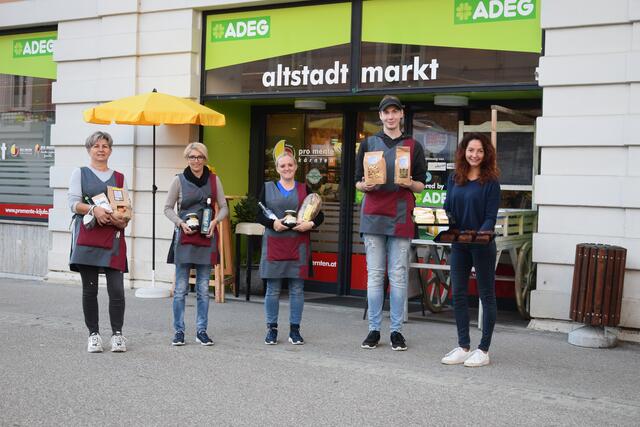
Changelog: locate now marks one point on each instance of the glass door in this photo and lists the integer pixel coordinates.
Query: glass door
(367, 124)
(315, 139)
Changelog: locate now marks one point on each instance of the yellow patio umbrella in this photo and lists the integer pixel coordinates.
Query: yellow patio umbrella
(153, 109)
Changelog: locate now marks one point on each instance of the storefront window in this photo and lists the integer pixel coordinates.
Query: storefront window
(516, 153)
(437, 132)
(411, 66)
(316, 142)
(315, 139)
(321, 70)
(26, 116)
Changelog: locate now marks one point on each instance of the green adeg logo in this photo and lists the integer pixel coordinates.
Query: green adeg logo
(25, 48)
(479, 11)
(240, 29)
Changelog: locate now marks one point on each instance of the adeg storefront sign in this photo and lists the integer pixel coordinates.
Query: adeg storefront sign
(240, 29)
(415, 71)
(478, 11)
(24, 48)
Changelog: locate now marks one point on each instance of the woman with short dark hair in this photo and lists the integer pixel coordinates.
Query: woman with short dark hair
(100, 248)
(473, 198)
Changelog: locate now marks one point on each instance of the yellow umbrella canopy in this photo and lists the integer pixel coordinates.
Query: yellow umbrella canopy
(153, 109)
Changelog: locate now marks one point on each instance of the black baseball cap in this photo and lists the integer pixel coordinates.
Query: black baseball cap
(388, 101)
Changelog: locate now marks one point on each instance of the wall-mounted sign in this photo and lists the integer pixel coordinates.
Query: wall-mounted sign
(29, 54)
(420, 44)
(240, 29)
(482, 11)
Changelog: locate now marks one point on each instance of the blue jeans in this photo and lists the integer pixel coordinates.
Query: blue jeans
(390, 253)
(483, 259)
(203, 272)
(272, 300)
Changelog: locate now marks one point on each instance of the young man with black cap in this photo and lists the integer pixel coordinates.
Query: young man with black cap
(386, 224)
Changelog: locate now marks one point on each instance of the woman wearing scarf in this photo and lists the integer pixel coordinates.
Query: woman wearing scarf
(190, 191)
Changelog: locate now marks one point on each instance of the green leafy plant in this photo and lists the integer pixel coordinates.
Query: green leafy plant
(246, 210)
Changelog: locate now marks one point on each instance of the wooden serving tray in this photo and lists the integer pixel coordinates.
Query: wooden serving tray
(438, 239)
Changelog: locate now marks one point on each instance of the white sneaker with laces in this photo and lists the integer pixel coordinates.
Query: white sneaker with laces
(118, 343)
(94, 344)
(477, 358)
(456, 356)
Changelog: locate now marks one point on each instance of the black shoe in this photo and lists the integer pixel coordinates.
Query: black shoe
(272, 334)
(397, 342)
(203, 338)
(372, 340)
(178, 339)
(294, 335)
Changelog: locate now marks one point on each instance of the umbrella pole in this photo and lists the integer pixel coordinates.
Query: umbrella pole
(153, 292)
(153, 213)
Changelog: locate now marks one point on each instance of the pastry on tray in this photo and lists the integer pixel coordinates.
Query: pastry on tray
(449, 236)
(465, 238)
(484, 236)
(423, 215)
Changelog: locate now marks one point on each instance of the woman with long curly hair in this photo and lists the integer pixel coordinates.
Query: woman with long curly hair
(473, 198)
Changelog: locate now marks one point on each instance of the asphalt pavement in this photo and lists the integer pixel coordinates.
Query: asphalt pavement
(48, 378)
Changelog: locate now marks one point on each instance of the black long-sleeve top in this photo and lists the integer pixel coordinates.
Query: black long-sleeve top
(473, 206)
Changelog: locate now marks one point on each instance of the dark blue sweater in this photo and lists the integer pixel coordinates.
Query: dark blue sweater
(473, 206)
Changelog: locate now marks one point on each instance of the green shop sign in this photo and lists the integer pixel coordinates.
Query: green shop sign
(431, 198)
(257, 35)
(28, 54)
(482, 11)
(240, 29)
(509, 25)
(24, 48)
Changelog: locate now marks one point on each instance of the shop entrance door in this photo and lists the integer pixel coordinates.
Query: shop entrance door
(316, 141)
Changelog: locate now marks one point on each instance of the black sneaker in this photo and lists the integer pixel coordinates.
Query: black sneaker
(178, 339)
(397, 342)
(294, 335)
(203, 338)
(272, 335)
(372, 340)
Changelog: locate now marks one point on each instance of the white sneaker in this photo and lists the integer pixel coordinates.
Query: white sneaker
(94, 345)
(456, 356)
(118, 343)
(477, 358)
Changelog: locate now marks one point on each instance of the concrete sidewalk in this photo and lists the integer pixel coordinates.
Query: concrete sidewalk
(48, 378)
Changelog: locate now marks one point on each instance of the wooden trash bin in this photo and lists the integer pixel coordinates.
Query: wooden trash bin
(598, 279)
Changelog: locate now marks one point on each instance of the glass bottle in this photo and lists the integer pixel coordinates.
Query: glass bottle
(207, 213)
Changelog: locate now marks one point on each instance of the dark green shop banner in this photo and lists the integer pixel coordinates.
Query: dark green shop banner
(243, 37)
(28, 54)
(505, 25)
